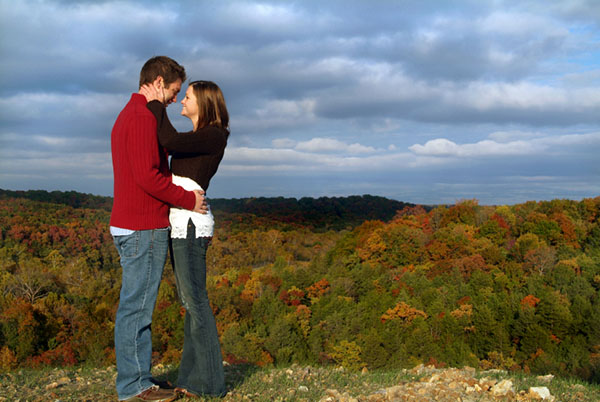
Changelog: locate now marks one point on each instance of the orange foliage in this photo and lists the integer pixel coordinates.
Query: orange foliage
(292, 296)
(501, 221)
(8, 359)
(465, 310)
(63, 355)
(317, 289)
(567, 228)
(403, 312)
(469, 264)
(529, 301)
(265, 359)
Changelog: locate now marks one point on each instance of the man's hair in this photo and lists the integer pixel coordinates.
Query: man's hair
(164, 66)
(212, 110)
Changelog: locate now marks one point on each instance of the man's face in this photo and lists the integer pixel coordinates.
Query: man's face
(171, 91)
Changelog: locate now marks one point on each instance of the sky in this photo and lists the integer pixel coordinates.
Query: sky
(422, 101)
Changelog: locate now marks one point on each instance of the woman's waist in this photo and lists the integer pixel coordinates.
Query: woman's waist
(187, 183)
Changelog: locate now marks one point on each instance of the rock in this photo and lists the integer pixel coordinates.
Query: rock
(52, 385)
(434, 378)
(540, 393)
(394, 392)
(418, 369)
(63, 381)
(303, 388)
(545, 378)
(502, 389)
(332, 392)
(469, 370)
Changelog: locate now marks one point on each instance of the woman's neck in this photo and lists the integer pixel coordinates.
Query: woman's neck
(194, 120)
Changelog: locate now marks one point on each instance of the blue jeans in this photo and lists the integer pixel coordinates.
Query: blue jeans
(143, 256)
(201, 368)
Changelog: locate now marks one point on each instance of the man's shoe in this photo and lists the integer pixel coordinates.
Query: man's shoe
(155, 394)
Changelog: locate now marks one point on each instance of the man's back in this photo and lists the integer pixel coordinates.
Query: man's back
(142, 185)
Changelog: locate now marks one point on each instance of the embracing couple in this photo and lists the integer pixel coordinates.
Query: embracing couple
(155, 208)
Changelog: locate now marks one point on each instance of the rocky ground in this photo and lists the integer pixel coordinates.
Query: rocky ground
(295, 383)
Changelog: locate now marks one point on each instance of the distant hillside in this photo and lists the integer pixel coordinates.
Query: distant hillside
(507, 287)
(323, 212)
(70, 198)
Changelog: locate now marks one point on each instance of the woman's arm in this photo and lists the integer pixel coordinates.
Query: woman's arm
(207, 140)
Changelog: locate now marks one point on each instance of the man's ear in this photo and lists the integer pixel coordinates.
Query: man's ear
(158, 82)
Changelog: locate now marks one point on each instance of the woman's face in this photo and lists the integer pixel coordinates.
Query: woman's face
(190, 105)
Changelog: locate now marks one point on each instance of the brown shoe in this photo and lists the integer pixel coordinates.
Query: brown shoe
(186, 393)
(156, 394)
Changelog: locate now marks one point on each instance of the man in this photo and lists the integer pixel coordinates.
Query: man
(139, 223)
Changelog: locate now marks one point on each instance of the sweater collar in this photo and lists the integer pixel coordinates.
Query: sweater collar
(138, 98)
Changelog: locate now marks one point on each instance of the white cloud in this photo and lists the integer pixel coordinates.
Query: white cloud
(520, 24)
(264, 17)
(534, 145)
(324, 145)
(512, 135)
(284, 143)
(44, 106)
(269, 161)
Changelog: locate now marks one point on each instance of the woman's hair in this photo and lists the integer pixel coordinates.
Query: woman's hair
(212, 110)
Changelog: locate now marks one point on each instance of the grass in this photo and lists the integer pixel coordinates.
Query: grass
(251, 383)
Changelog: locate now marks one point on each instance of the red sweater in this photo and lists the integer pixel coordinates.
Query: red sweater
(143, 189)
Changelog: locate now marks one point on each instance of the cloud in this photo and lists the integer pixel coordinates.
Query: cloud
(428, 100)
(444, 147)
(535, 145)
(508, 136)
(319, 145)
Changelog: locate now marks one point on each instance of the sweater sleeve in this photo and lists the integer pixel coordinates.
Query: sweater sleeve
(145, 161)
(207, 140)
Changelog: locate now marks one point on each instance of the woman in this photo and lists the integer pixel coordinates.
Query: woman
(195, 158)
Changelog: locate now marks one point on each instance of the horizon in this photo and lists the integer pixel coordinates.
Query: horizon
(427, 103)
(324, 196)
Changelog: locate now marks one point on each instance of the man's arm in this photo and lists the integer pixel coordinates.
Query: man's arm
(145, 162)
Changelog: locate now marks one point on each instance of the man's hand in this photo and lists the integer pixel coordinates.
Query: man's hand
(201, 205)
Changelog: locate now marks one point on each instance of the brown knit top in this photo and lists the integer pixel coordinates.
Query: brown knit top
(194, 154)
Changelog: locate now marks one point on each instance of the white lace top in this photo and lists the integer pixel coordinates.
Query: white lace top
(179, 218)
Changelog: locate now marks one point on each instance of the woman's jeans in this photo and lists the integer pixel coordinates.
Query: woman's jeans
(201, 368)
(143, 255)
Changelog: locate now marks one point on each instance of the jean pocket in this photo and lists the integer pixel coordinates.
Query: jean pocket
(128, 245)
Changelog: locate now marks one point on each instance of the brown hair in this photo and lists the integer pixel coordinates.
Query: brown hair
(162, 66)
(212, 110)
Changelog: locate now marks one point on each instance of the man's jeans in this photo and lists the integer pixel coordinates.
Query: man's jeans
(201, 368)
(143, 255)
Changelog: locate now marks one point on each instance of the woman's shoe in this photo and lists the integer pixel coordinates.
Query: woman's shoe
(186, 393)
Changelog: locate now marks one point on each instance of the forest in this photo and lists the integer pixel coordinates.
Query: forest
(352, 281)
